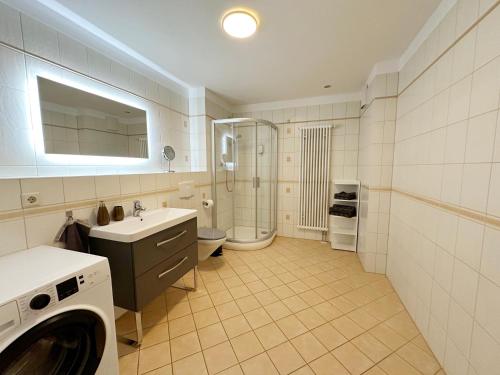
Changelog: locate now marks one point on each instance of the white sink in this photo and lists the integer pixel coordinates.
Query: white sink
(132, 229)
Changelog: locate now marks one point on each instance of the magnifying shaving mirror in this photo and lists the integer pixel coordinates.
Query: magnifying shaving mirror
(169, 155)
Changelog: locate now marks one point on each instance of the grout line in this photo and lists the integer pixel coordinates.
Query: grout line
(453, 44)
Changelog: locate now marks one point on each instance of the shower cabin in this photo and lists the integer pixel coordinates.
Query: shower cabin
(245, 181)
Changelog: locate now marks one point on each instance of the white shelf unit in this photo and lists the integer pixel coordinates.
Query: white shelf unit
(343, 231)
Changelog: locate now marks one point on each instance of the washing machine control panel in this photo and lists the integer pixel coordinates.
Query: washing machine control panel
(38, 301)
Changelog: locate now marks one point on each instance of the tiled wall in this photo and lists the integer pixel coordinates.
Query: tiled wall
(21, 228)
(344, 157)
(31, 48)
(65, 59)
(376, 149)
(444, 237)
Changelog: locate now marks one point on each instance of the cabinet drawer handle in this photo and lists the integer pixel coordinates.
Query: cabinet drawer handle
(164, 273)
(171, 239)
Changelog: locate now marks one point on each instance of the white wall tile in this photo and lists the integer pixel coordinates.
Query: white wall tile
(42, 229)
(488, 307)
(50, 189)
(40, 39)
(464, 288)
(130, 184)
(460, 325)
(13, 236)
(12, 69)
(490, 264)
(469, 242)
(475, 186)
(107, 186)
(488, 38)
(10, 26)
(484, 352)
(481, 138)
(79, 188)
(10, 195)
(485, 88)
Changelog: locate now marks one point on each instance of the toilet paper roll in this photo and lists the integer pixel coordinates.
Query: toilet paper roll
(207, 203)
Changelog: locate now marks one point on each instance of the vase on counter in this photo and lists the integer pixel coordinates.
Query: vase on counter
(118, 213)
(102, 214)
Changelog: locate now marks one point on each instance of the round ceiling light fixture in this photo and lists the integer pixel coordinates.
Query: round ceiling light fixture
(239, 23)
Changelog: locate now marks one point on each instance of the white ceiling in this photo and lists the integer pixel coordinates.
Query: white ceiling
(300, 46)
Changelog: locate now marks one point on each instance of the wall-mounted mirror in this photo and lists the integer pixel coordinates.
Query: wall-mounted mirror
(227, 152)
(80, 123)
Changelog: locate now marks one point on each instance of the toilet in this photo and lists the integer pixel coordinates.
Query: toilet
(209, 240)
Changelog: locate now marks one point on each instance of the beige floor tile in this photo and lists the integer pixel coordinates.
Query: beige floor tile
(285, 358)
(247, 303)
(287, 277)
(239, 291)
(363, 319)
(277, 310)
(310, 318)
(347, 327)
(291, 326)
(256, 286)
(249, 277)
(155, 335)
(192, 365)
(329, 336)
(236, 325)
(153, 317)
(419, 359)
(388, 337)
(184, 346)
(219, 357)
(266, 297)
(178, 310)
(125, 324)
(154, 357)
(257, 318)
(283, 291)
(270, 336)
(403, 325)
(259, 365)
(165, 370)
(228, 310)
(298, 286)
(212, 335)
(376, 371)
(215, 286)
(306, 370)
(311, 297)
(181, 326)
(308, 346)
(232, 282)
(295, 304)
(343, 304)
(221, 297)
(352, 359)
(200, 303)
(328, 365)
(422, 344)
(205, 318)
(235, 370)
(371, 347)
(328, 311)
(395, 365)
(272, 281)
(129, 364)
(246, 346)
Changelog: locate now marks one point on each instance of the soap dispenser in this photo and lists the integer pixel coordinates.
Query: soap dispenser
(102, 214)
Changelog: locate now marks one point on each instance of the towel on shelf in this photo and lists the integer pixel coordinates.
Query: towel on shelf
(345, 196)
(343, 210)
(76, 237)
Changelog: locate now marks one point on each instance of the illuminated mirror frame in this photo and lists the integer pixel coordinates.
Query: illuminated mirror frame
(91, 88)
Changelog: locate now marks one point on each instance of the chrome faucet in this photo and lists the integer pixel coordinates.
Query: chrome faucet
(138, 208)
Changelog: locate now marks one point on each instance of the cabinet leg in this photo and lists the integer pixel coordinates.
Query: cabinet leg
(187, 288)
(138, 326)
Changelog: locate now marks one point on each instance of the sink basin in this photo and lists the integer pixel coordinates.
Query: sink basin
(132, 229)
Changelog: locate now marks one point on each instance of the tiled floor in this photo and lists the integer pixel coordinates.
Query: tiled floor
(295, 307)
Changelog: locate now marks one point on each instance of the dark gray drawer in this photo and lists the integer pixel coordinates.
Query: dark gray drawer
(152, 250)
(163, 275)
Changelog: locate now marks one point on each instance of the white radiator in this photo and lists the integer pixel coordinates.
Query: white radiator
(315, 148)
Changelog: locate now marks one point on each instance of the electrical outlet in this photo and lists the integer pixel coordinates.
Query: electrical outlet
(30, 199)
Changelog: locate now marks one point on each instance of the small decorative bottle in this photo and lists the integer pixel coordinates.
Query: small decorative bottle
(118, 214)
(102, 214)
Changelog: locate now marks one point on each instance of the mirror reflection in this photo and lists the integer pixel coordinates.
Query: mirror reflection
(80, 123)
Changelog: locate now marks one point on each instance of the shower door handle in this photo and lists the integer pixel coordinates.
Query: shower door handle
(256, 182)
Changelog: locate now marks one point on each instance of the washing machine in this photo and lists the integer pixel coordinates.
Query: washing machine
(56, 314)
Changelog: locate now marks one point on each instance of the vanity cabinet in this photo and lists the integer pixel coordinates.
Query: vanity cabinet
(142, 270)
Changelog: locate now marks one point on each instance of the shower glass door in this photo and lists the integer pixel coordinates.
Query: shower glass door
(245, 178)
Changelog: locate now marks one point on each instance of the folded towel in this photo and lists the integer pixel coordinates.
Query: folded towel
(345, 196)
(342, 210)
(76, 237)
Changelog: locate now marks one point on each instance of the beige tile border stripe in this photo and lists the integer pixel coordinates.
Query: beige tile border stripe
(89, 203)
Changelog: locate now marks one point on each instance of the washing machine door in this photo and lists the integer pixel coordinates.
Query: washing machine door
(68, 343)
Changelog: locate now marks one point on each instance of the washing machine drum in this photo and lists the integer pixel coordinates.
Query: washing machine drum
(69, 343)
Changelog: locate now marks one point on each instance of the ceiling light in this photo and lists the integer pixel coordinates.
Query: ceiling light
(239, 23)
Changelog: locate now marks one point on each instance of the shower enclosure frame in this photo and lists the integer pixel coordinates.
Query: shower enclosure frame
(274, 221)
